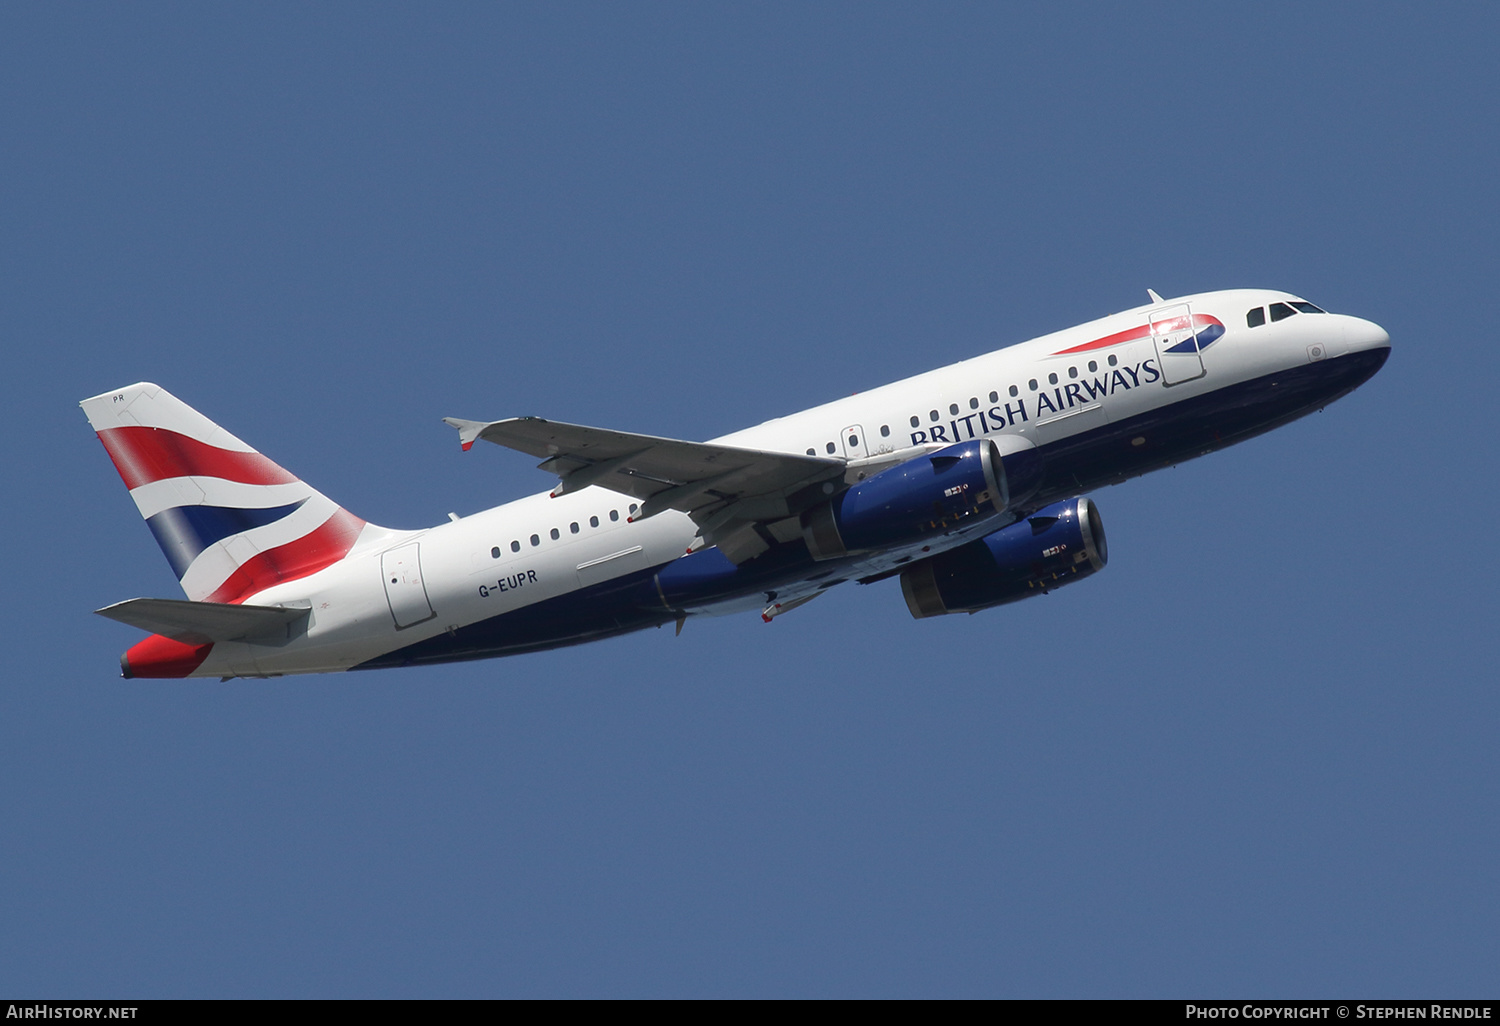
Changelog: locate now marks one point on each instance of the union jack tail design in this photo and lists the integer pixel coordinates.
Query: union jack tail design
(230, 521)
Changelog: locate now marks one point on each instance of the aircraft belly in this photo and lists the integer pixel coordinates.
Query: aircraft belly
(1198, 424)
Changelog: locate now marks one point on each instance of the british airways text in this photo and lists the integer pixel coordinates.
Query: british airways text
(1056, 400)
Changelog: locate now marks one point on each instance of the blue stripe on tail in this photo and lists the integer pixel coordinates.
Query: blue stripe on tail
(185, 531)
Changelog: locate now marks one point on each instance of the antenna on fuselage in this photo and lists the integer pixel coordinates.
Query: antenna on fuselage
(1154, 297)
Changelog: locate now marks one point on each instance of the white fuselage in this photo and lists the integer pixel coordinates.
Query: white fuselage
(538, 548)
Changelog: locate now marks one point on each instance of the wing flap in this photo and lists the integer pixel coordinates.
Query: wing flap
(665, 473)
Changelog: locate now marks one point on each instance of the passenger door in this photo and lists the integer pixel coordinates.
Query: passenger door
(1176, 343)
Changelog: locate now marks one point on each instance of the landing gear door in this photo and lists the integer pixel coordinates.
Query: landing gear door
(1176, 342)
(404, 590)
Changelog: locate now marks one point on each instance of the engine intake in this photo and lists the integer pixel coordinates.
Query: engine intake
(936, 492)
(1057, 545)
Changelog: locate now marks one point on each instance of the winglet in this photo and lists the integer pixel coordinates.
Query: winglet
(468, 430)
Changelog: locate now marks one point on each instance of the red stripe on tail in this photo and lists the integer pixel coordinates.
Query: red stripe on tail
(143, 455)
(307, 555)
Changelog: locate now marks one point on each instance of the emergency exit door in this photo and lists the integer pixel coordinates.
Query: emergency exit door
(852, 438)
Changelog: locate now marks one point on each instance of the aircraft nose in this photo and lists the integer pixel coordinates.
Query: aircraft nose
(1361, 335)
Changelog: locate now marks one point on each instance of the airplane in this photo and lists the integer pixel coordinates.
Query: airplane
(967, 483)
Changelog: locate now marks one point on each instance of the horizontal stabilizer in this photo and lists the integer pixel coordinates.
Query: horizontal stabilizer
(200, 623)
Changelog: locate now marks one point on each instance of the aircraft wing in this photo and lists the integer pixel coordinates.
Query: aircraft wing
(198, 623)
(744, 500)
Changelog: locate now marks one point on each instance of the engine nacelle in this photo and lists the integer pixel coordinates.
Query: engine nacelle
(1057, 545)
(937, 492)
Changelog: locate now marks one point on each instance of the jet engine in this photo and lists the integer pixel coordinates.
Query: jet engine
(936, 492)
(1057, 545)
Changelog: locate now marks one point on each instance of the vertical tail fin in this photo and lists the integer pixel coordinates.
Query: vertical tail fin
(230, 521)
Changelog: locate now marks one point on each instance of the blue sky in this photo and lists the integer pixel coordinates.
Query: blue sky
(1254, 757)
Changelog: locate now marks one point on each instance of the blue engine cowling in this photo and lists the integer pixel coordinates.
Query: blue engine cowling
(937, 492)
(1057, 545)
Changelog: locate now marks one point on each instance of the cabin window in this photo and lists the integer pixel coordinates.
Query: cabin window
(614, 514)
(853, 441)
(1072, 372)
(1051, 379)
(994, 397)
(556, 534)
(915, 421)
(1113, 360)
(535, 540)
(812, 452)
(973, 404)
(495, 552)
(953, 409)
(885, 431)
(932, 415)
(1093, 366)
(1014, 391)
(1255, 318)
(515, 546)
(1280, 312)
(634, 507)
(573, 527)
(830, 447)
(593, 521)
(1031, 384)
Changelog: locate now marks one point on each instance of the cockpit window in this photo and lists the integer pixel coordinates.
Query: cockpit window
(1280, 311)
(1306, 307)
(1255, 318)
